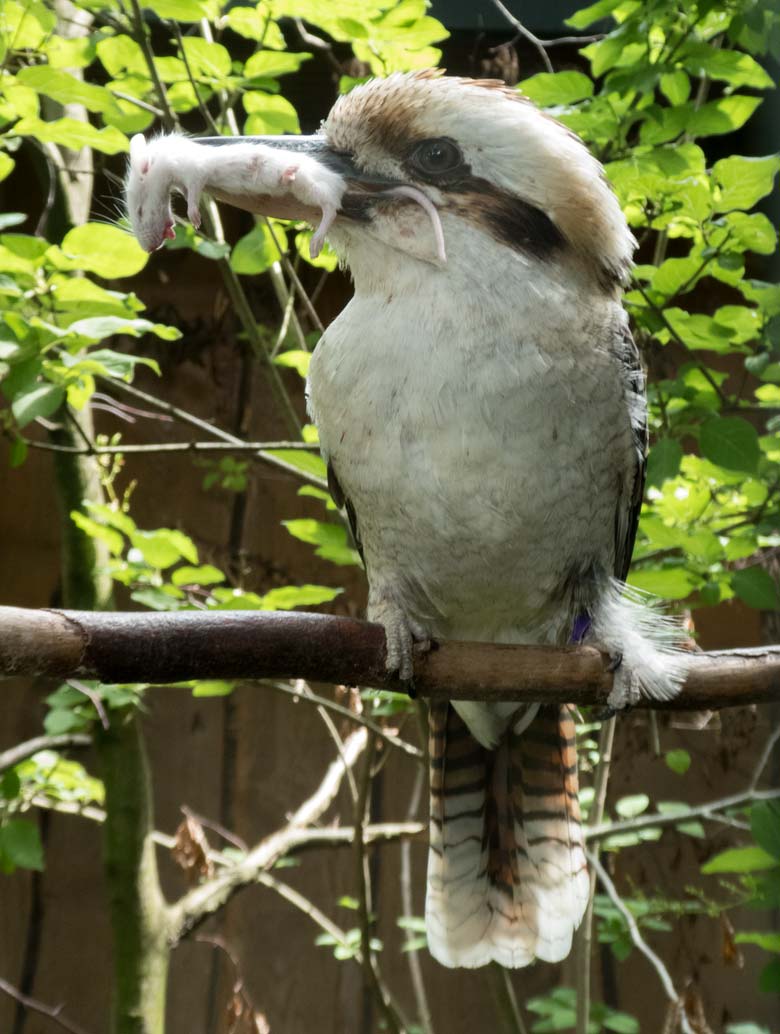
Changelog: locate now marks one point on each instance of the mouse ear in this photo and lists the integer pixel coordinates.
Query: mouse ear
(138, 156)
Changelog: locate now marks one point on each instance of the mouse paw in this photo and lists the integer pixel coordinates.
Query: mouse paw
(287, 176)
(194, 190)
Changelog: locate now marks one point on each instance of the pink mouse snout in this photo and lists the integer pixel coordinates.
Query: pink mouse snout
(168, 234)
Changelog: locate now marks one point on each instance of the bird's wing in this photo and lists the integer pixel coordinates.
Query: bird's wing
(343, 503)
(630, 498)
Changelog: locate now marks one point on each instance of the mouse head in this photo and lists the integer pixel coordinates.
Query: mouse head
(148, 192)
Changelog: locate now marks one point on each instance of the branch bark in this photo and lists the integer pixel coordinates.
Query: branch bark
(174, 647)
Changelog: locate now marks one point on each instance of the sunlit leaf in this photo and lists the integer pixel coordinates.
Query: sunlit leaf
(104, 250)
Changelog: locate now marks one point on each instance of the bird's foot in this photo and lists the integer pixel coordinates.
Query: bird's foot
(402, 634)
(626, 687)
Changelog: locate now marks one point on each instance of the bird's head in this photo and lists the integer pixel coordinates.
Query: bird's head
(489, 161)
(480, 160)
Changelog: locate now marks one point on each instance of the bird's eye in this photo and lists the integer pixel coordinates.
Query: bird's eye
(436, 157)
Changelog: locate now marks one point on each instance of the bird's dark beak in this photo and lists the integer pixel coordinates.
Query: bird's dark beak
(360, 186)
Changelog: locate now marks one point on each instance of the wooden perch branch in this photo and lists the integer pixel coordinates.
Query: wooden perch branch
(174, 647)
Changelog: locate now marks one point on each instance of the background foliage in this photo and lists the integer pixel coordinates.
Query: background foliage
(656, 93)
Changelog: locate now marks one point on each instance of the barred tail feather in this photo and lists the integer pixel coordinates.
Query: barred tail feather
(507, 876)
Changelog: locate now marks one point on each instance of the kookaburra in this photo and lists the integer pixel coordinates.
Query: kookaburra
(480, 405)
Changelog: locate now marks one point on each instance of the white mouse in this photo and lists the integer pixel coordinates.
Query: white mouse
(178, 163)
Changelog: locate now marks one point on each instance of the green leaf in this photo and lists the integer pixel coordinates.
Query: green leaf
(99, 327)
(675, 86)
(203, 575)
(65, 88)
(206, 59)
(630, 807)
(41, 401)
(213, 688)
(330, 539)
(752, 232)
(255, 23)
(756, 587)
(731, 66)
(20, 846)
(99, 531)
(663, 462)
(670, 583)
(255, 252)
(675, 273)
(769, 978)
(295, 358)
(722, 116)
(269, 114)
(290, 596)
(73, 133)
(739, 859)
(595, 12)
(268, 64)
(179, 10)
(620, 1022)
(10, 785)
(24, 26)
(765, 826)
(18, 453)
(164, 546)
(678, 760)
(767, 941)
(742, 182)
(730, 442)
(121, 54)
(548, 89)
(7, 165)
(105, 250)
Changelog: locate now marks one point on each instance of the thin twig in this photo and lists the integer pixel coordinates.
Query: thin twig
(407, 904)
(142, 39)
(94, 699)
(53, 1012)
(144, 105)
(638, 940)
(526, 34)
(506, 1001)
(207, 117)
(218, 828)
(305, 692)
(352, 716)
(584, 937)
(154, 448)
(300, 840)
(763, 760)
(15, 755)
(371, 973)
(290, 271)
(189, 418)
(699, 811)
(308, 908)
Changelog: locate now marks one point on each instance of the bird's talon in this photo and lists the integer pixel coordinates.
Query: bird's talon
(607, 712)
(408, 686)
(615, 660)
